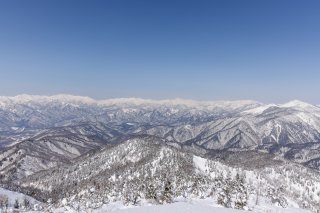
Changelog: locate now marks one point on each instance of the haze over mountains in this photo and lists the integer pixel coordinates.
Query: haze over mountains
(112, 143)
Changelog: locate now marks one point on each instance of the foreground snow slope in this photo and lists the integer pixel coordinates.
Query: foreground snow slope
(144, 168)
(203, 206)
(20, 198)
(179, 206)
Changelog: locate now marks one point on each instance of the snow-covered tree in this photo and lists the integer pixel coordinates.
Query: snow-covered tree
(16, 204)
(167, 194)
(151, 193)
(4, 202)
(241, 192)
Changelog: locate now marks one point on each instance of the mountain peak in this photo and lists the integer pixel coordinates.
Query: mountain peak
(298, 104)
(24, 98)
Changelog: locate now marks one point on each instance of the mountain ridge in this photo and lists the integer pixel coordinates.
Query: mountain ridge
(45, 138)
(67, 98)
(24, 98)
(221, 126)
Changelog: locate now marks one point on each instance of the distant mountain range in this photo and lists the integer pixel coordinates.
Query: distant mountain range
(39, 133)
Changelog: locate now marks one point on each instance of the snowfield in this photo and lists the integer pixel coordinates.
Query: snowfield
(184, 206)
(181, 205)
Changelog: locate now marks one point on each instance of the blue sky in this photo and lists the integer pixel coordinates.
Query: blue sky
(206, 50)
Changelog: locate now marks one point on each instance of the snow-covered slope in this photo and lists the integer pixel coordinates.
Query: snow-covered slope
(52, 147)
(143, 168)
(16, 201)
(84, 137)
(30, 112)
(122, 101)
(195, 206)
(290, 130)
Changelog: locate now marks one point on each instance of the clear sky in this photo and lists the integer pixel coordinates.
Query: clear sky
(206, 50)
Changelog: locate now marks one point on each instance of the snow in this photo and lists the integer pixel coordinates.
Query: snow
(177, 101)
(259, 110)
(12, 196)
(249, 106)
(278, 132)
(254, 107)
(310, 119)
(297, 104)
(198, 207)
(65, 98)
(200, 163)
(24, 98)
(181, 206)
(225, 129)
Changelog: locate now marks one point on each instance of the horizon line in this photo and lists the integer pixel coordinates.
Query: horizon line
(150, 100)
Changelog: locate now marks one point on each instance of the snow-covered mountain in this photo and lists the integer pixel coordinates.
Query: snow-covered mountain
(144, 168)
(75, 152)
(41, 111)
(73, 125)
(52, 147)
